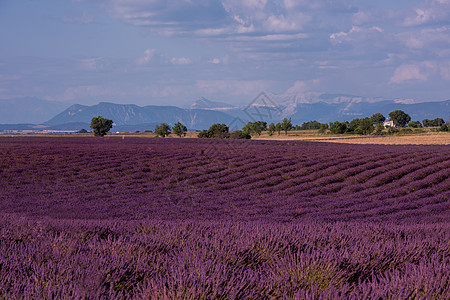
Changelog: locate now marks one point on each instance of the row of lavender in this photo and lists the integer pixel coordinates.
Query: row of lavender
(42, 258)
(220, 180)
(195, 219)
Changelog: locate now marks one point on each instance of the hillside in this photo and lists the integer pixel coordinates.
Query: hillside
(203, 113)
(127, 115)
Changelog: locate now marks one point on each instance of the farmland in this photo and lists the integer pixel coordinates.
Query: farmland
(429, 138)
(203, 218)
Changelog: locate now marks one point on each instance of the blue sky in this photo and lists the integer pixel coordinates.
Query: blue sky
(173, 52)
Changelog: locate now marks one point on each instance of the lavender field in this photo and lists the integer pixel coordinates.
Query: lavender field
(206, 219)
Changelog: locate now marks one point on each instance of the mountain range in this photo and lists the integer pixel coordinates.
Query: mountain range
(203, 112)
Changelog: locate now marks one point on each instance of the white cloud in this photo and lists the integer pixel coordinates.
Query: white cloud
(215, 61)
(167, 16)
(232, 87)
(300, 87)
(85, 92)
(92, 64)
(409, 72)
(366, 17)
(430, 38)
(422, 71)
(354, 34)
(146, 57)
(445, 70)
(181, 61)
(270, 37)
(429, 12)
(281, 23)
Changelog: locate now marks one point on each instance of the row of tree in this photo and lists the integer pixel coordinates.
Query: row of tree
(164, 129)
(358, 126)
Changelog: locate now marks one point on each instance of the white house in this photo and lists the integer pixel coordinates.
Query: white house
(389, 124)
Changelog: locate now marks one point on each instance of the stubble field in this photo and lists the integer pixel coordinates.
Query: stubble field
(431, 138)
(192, 218)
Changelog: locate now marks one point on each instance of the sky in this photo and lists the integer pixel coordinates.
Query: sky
(153, 52)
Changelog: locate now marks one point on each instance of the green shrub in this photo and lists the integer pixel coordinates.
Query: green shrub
(239, 134)
(406, 131)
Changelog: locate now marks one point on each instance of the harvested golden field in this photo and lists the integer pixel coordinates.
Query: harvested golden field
(441, 138)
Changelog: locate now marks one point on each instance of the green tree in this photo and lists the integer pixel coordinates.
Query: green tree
(444, 128)
(365, 126)
(323, 128)
(203, 134)
(219, 131)
(433, 123)
(255, 127)
(310, 125)
(82, 131)
(259, 127)
(278, 128)
(379, 129)
(439, 122)
(239, 134)
(163, 130)
(286, 125)
(377, 118)
(352, 127)
(248, 128)
(399, 117)
(338, 127)
(271, 129)
(101, 125)
(414, 124)
(179, 129)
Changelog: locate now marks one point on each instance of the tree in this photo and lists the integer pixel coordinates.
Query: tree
(365, 126)
(377, 118)
(444, 128)
(399, 117)
(310, 125)
(379, 129)
(259, 126)
(179, 129)
(203, 134)
(278, 128)
(162, 130)
(433, 123)
(352, 127)
(239, 134)
(101, 125)
(338, 127)
(271, 129)
(219, 131)
(438, 122)
(414, 124)
(286, 125)
(82, 131)
(323, 128)
(255, 127)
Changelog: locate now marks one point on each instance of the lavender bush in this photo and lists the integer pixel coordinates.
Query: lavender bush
(160, 219)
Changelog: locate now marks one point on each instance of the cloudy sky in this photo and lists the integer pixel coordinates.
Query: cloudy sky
(173, 52)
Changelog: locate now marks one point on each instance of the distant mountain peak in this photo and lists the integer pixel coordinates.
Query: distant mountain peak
(204, 103)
